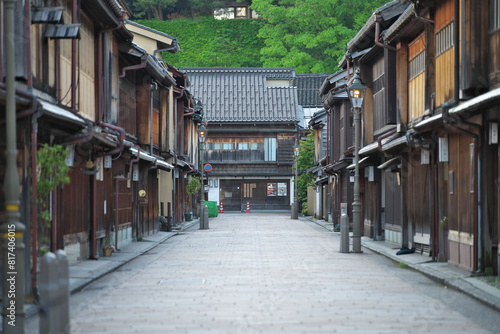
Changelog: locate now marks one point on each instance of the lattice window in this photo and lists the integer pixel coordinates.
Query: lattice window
(495, 14)
(417, 65)
(444, 38)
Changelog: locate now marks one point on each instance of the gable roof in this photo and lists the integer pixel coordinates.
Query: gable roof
(243, 94)
(308, 86)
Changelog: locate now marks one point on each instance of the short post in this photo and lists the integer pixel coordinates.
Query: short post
(169, 216)
(54, 293)
(344, 229)
(205, 217)
(295, 214)
(63, 271)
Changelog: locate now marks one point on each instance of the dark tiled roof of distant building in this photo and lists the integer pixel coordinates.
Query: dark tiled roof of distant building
(308, 86)
(243, 94)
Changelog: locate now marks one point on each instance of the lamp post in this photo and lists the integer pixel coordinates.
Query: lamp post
(356, 91)
(12, 230)
(202, 135)
(295, 205)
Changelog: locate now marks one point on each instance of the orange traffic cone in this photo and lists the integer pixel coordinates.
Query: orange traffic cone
(248, 207)
(221, 208)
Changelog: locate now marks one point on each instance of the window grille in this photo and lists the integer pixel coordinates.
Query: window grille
(495, 14)
(417, 65)
(444, 39)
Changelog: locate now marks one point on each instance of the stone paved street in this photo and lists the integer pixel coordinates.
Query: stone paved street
(263, 273)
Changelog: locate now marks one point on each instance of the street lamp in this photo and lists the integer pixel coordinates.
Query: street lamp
(356, 91)
(202, 136)
(295, 205)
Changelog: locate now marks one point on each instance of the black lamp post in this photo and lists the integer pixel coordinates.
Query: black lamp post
(202, 136)
(356, 91)
(295, 205)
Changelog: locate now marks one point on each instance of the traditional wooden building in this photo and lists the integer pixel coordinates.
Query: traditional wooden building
(252, 117)
(429, 128)
(333, 176)
(451, 89)
(169, 120)
(84, 84)
(311, 111)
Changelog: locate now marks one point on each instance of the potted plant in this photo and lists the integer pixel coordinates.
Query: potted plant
(188, 214)
(107, 247)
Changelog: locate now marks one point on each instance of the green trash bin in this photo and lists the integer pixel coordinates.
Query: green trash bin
(213, 210)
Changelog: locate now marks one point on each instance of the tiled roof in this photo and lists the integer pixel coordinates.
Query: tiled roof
(241, 95)
(308, 86)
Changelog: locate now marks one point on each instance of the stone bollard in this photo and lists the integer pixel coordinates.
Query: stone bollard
(205, 218)
(344, 229)
(54, 293)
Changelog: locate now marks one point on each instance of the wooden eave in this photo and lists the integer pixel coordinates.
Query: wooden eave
(407, 27)
(366, 35)
(107, 15)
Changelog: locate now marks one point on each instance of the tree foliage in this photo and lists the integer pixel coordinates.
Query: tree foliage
(152, 8)
(207, 42)
(160, 9)
(310, 35)
(305, 161)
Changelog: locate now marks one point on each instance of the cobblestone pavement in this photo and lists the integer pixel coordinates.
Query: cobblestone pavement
(262, 273)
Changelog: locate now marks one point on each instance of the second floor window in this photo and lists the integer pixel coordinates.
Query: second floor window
(495, 14)
(253, 150)
(270, 149)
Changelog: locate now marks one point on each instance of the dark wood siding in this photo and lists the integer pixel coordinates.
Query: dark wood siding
(127, 112)
(494, 56)
(475, 65)
(147, 208)
(371, 206)
(419, 196)
(269, 194)
(75, 215)
(461, 201)
(392, 209)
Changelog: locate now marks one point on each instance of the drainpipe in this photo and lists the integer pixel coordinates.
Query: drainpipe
(191, 110)
(99, 78)
(151, 101)
(348, 58)
(377, 34)
(27, 31)
(121, 140)
(144, 62)
(73, 57)
(385, 135)
(174, 47)
(57, 46)
(132, 161)
(23, 94)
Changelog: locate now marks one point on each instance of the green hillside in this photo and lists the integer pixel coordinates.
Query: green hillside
(207, 42)
(310, 36)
